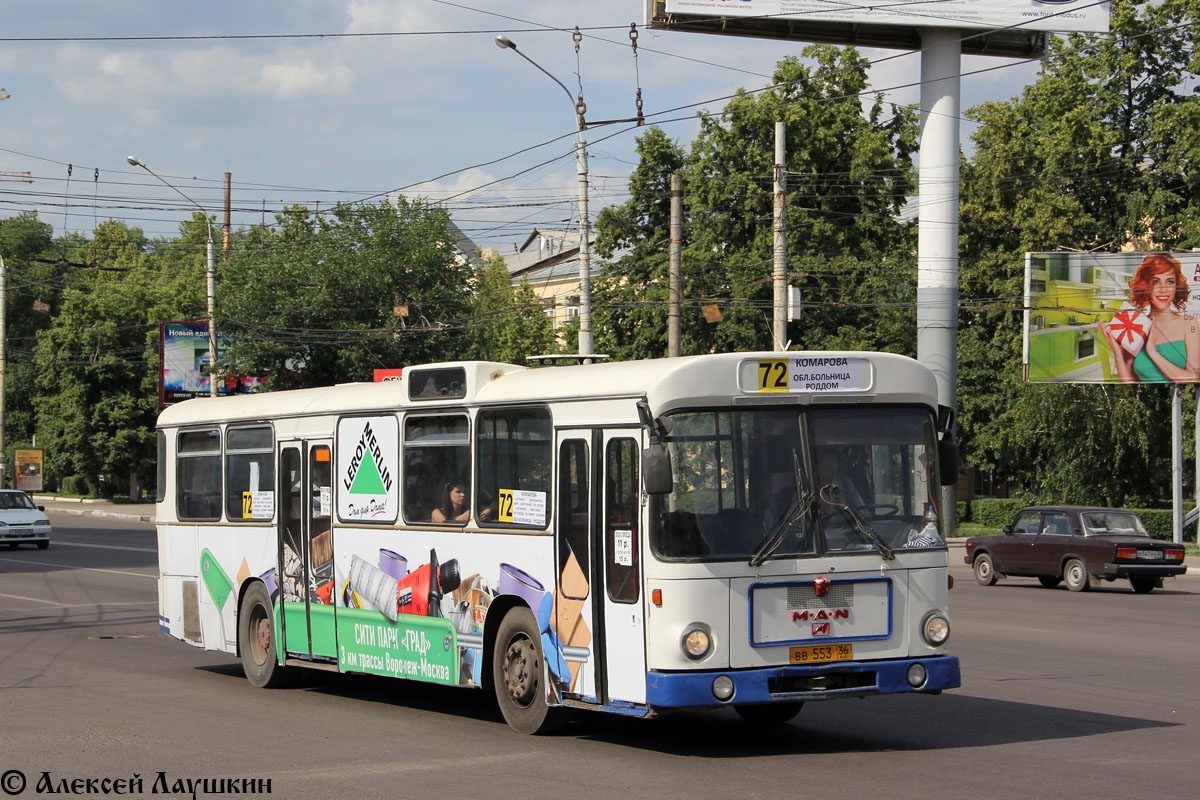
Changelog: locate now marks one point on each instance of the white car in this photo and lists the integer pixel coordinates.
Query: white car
(22, 521)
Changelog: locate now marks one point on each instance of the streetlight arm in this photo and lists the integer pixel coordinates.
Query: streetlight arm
(504, 43)
(137, 162)
(547, 74)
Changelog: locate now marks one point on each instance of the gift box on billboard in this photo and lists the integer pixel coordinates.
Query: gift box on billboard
(1129, 327)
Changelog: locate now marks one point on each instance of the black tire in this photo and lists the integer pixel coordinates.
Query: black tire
(1144, 585)
(1075, 575)
(518, 671)
(1049, 581)
(257, 641)
(985, 572)
(43, 545)
(769, 713)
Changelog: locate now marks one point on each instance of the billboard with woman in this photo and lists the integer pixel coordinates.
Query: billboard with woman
(1112, 317)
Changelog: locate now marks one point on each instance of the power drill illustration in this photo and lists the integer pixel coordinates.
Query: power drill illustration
(420, 591)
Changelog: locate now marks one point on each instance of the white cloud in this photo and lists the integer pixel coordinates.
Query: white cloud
(305, 77)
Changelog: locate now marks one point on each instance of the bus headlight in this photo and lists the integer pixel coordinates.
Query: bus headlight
(935, 628)
(696, 641)
(722, 688)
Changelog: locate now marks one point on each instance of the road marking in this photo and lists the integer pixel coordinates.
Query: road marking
(375, 768)
(70, 605)
(60, 543)
(89, 569)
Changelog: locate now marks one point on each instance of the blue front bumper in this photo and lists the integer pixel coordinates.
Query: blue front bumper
(780, 684)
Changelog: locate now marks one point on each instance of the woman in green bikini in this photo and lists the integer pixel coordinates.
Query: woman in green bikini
(1172, 350)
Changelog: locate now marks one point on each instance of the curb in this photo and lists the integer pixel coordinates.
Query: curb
(97, 512)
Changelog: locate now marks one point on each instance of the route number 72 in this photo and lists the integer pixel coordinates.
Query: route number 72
(773, 375)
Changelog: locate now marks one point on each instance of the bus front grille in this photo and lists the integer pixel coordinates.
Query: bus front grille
(821, 683)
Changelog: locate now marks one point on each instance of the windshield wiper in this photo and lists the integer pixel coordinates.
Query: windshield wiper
(797, 511)
(858, 525)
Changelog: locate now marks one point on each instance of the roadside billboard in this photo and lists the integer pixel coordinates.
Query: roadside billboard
(1032, 15)
(183, 347)
(1112, 318)
(28, 472)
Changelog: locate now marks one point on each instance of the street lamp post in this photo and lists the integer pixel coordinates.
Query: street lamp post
(211, 270)
(585, 267)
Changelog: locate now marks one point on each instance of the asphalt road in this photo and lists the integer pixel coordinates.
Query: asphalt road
(1064, 695)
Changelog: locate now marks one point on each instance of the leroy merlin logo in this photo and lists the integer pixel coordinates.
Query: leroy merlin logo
(366, 473)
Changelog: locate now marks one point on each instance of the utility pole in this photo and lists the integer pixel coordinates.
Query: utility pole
(675, 280)
(210, 271)
(779, 273)
(227, 227)
(581, 167)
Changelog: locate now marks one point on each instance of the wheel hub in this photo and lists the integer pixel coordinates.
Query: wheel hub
(521, 671)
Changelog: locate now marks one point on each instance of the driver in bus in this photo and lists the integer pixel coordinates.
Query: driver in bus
(835, 470)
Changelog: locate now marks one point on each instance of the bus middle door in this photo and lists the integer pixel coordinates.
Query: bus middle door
(306, 549)
(599, 644)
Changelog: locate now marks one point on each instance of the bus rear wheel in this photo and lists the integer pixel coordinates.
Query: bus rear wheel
(769, 713)
(257, 641)
(518, 670)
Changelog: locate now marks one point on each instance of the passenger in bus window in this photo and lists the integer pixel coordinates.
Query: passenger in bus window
(454, 506)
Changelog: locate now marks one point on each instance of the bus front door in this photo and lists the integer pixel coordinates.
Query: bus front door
(306, 549)
(599, 631)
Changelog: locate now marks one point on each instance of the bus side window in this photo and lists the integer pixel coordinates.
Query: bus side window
(198, 470)
(437, 454)
(621, 493)
(512, 466)
(249, 474)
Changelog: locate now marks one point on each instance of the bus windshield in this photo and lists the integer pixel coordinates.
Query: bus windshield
(765, 483)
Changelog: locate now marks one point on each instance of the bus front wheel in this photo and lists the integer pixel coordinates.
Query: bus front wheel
(518, 671)
(256, 640)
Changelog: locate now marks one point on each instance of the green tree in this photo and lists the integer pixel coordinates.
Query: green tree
(33, 282)
(1096, 153)
(848, 175)
(509, 323)
(313, 305)
(97, 364)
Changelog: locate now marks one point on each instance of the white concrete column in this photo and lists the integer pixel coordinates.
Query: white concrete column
(937, 237)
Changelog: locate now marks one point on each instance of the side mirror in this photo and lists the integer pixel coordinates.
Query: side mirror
(41, 508)
(1006, 529)
(656, 470)
(948, 460)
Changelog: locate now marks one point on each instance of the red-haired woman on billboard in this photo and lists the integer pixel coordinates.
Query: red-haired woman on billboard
(1172, 349)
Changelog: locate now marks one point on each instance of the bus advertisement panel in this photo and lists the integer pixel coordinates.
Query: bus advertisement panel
(1112, 317)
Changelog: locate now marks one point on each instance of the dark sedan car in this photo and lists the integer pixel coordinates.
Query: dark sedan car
(1078, 545)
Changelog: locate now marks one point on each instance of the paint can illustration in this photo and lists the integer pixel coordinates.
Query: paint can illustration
(374, 587)
(516, 581)
(268, 578)
(393, 563)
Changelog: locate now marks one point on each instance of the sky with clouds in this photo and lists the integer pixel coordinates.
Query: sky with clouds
(419, 100)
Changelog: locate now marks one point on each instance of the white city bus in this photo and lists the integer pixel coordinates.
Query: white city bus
(752, 530)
